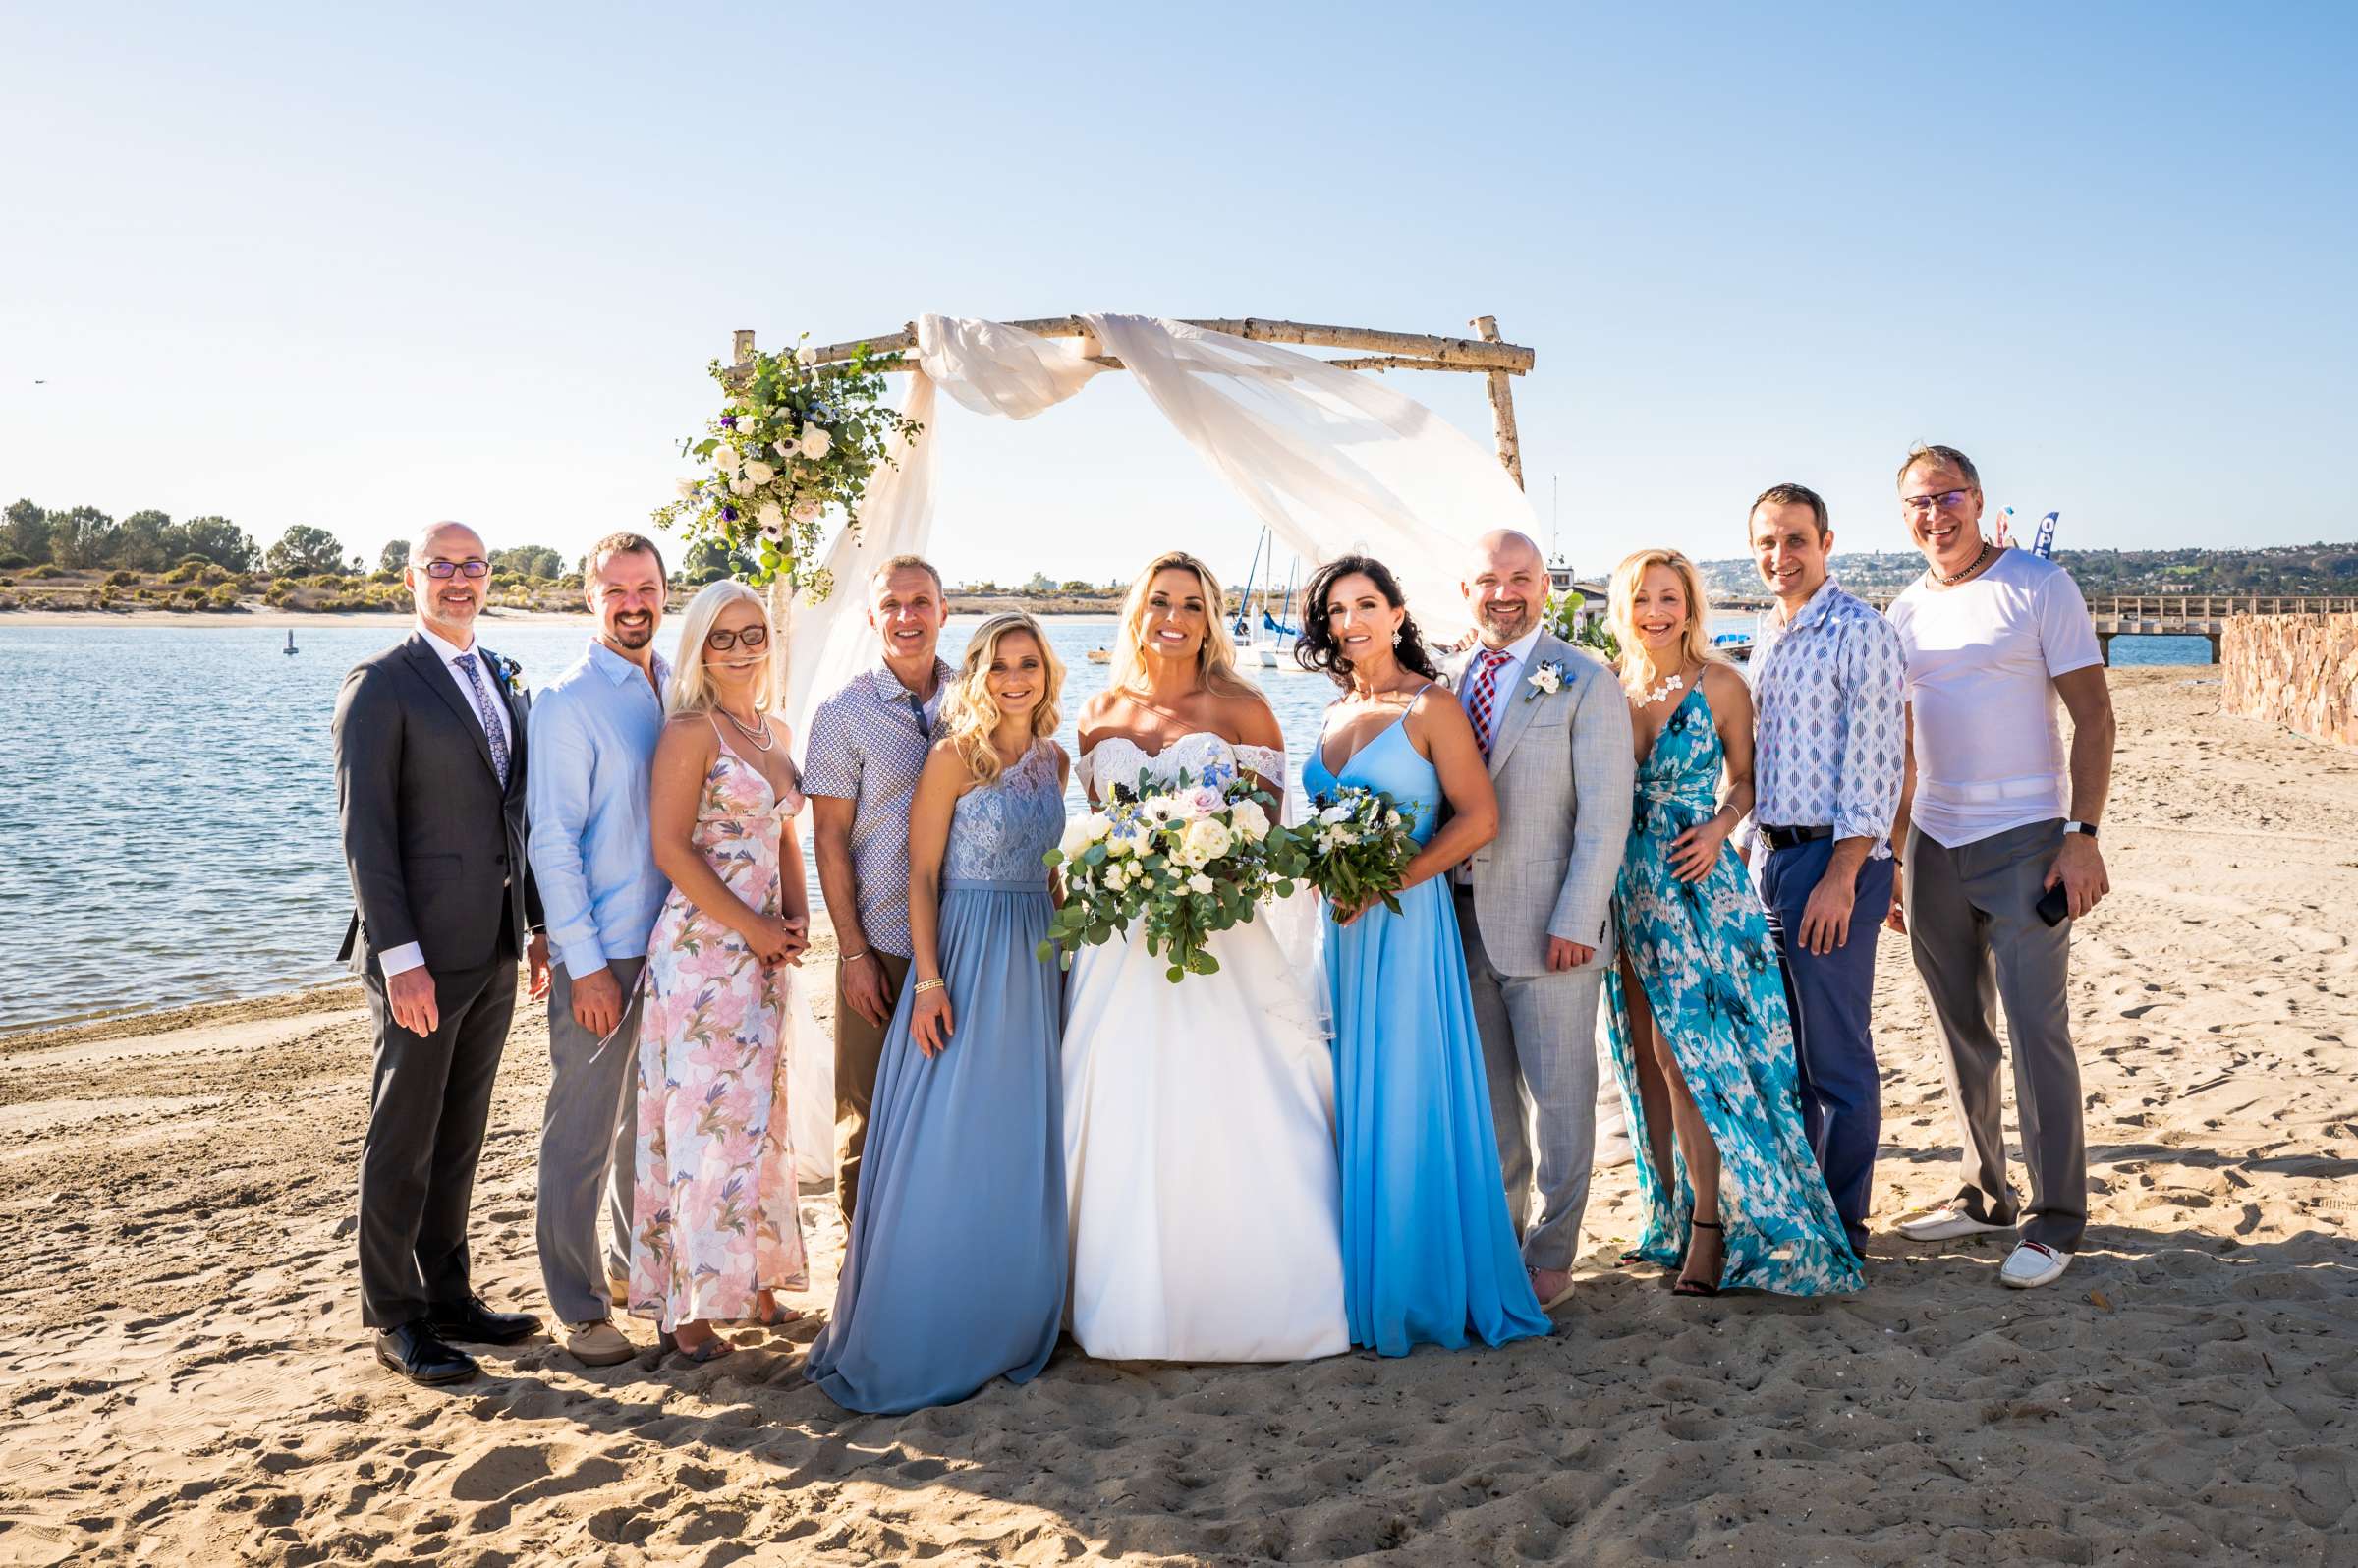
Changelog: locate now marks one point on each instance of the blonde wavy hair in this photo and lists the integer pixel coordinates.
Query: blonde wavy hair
(1215, 660)
(1695, 645)
(690, 682)
(968, 713)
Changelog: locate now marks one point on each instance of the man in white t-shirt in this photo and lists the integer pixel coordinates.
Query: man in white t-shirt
(2001, 815)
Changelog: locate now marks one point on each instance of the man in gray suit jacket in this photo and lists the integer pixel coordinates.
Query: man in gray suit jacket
(430, 739)
(1534, 905)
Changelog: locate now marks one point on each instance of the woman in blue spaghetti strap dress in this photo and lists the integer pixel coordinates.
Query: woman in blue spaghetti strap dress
(1430, 1256)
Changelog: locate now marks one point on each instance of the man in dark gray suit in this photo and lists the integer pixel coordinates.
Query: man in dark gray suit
(429, 742)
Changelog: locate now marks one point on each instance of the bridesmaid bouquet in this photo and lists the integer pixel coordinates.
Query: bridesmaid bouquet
(1359, 845)
(1180, 862)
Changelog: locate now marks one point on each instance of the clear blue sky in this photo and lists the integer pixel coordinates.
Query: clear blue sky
(365, 267)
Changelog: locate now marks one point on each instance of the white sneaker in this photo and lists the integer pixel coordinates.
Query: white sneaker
(1945, 1223)
(2032, 1265)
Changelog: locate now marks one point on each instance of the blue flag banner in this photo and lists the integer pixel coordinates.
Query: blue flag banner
(2043, 546)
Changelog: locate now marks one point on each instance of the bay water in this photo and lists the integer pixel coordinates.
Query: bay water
(168, 806)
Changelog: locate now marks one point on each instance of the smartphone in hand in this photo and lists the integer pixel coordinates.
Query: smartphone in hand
(2053, 905)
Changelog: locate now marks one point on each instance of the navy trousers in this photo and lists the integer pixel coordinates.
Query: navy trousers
(1830, 995)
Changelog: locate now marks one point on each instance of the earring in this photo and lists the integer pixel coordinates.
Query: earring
(1395, 638)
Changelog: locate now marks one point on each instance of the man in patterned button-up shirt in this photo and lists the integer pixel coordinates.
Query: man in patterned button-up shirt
(865, 748)
(1829, 685)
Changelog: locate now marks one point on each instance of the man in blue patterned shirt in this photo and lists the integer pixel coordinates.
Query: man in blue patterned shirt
(1829, 685)
(867, 745)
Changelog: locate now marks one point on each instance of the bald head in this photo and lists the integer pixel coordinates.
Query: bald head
(448, 605)
(1505, 587)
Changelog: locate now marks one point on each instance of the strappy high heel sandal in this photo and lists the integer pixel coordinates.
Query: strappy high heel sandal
(1696, 1287)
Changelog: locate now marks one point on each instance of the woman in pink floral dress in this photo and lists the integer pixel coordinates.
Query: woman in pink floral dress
(714, 1232)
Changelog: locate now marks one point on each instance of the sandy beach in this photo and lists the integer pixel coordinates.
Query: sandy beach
(186, 1378)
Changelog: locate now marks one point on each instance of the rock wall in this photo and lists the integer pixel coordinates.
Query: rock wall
(2300, 671)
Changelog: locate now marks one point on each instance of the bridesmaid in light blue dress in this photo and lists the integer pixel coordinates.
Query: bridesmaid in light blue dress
(1430, 1256)
(955, 1273)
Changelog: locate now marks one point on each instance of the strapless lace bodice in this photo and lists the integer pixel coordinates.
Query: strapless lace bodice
(999, 831)
(1200, 758)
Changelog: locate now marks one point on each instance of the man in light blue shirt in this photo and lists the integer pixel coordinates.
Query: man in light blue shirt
(593, 854)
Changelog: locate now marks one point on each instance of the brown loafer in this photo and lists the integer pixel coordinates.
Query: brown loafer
(598, 1344)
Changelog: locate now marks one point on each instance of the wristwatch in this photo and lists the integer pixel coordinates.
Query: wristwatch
(2088, 829)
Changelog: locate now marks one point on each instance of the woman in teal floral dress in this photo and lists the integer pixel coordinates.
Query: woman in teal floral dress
(1701, 1040)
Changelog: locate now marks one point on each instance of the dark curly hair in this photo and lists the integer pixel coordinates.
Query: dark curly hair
(1318, 649)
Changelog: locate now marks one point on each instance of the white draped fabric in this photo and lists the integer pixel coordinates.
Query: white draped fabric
(1331, 459)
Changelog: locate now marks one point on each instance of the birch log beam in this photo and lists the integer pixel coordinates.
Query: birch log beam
(1427, 352)
(1503, 406)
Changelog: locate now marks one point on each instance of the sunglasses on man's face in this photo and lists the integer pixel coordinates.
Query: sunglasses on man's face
(442, 570)
(1946, 501)
(720, 640)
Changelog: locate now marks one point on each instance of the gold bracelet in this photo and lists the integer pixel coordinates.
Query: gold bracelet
(926, 985)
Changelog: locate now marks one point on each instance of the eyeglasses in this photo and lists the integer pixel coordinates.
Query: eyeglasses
(720, 640)
(1946, 501)
(441, 570)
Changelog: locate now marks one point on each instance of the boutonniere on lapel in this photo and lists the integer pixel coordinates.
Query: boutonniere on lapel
(512, 673)
(1547, 680)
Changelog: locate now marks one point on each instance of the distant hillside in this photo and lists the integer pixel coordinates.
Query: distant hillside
(2280, 569)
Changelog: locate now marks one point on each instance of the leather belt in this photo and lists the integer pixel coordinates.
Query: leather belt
(1782, 838)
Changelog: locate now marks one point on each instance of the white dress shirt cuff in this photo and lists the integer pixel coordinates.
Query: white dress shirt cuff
(401, 960)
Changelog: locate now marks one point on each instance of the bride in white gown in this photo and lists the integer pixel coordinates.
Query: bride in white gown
(1199, 1118)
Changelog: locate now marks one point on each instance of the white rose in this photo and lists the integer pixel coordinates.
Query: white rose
(1122, 842)
(817, 442)
(1346, 836)
(1251, 820)
(760, 473)
(725, 458)
(805, 356)
(1098, 825)
(1076, 838)
(741, 487)
(1199, 882)
(686, 490)
(1207, 839)
(807, 510)
(1339, 813)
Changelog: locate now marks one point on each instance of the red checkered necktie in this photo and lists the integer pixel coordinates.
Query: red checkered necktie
(1482, 702)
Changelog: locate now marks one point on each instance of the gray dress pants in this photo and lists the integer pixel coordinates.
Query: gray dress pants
(1539, 1053)
(589, 1139)
(1980, 945)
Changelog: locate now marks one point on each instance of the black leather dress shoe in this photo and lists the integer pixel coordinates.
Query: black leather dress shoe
(477, 1324)
(419, 1354)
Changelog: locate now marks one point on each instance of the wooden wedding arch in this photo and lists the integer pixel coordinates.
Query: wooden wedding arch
(1484, 354)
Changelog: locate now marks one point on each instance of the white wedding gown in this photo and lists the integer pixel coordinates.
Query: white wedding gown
(1199, 1133)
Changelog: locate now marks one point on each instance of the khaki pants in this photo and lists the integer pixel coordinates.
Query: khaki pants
(859, 1048)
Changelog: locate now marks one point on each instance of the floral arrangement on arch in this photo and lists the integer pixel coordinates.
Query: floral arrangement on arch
(790, 441)
(1182, 861)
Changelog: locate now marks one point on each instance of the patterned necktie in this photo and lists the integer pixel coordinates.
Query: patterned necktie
(492, 731)
(1482, 705)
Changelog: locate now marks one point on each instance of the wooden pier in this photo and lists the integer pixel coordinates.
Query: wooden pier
(2203, 615)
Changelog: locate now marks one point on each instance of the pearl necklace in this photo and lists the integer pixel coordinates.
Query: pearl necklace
(1951, 579)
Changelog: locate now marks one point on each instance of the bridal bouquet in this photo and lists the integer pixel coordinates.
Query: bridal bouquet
(1181, 861)
(1359, 845)
(792, 439)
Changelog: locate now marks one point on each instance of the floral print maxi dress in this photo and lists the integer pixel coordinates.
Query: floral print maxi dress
(1704, 953)
(713, 1217)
